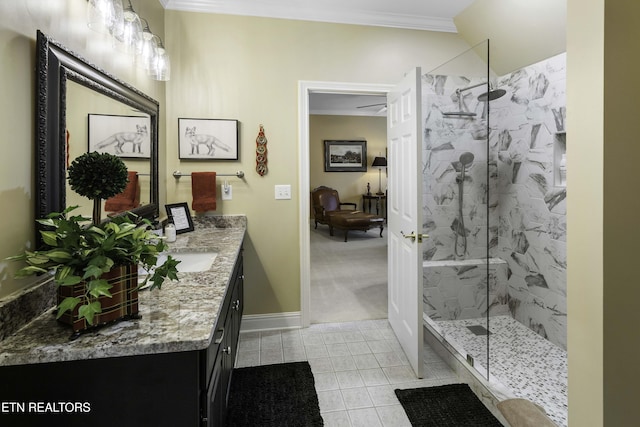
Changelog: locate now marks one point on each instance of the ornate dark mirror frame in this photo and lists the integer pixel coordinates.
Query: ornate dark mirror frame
(56, 64)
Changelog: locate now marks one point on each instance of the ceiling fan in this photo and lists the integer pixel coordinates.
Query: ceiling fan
(383, 104)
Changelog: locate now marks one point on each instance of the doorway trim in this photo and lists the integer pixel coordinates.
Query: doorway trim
(305, 89)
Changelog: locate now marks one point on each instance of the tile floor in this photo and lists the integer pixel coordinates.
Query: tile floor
(346, 285)
(356, 366)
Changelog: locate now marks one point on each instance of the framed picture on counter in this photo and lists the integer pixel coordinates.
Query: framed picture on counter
(180, 216)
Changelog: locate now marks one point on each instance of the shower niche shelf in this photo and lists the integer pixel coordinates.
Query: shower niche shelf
(559, 159)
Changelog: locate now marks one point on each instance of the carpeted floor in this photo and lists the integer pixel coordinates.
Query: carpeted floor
(453, 405)
(348, 280)
(281, 395)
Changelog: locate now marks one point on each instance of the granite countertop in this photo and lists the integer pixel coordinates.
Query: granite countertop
(178, 317)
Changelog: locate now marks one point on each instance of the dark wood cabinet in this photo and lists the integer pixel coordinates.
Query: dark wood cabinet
(156, 389)
(223, 351)
(188, 388)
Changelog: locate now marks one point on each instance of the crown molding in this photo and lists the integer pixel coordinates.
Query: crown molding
(338, 16)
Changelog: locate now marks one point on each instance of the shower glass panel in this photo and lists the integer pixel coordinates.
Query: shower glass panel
(459, 205)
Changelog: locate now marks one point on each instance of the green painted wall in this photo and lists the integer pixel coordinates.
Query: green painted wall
(248, 68)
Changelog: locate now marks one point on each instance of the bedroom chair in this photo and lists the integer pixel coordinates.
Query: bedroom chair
(328, 210)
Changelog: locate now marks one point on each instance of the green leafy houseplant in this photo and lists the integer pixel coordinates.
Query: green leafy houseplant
(81, 250)
(78, 251)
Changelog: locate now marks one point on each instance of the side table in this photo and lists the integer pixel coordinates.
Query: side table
(380, 204)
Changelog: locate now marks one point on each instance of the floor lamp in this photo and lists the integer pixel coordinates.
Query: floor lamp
(379, 162)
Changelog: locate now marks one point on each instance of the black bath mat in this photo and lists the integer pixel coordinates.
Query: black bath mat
(282, 395)
(452, 405)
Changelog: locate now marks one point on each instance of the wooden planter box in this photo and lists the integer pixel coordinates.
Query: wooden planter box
(122, 305)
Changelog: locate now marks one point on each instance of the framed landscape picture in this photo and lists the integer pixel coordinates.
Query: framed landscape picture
(208, 139)
(345, 156)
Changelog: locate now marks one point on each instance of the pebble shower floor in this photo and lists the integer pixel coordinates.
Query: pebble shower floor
(528, 365)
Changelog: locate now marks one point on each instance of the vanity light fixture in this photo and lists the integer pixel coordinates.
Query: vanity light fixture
(125, 26)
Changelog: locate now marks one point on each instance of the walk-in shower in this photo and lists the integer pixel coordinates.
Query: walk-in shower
(494, 265)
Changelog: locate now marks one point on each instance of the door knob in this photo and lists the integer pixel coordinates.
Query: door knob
(413, 236)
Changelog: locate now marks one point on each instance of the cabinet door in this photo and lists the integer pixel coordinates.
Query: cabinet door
(237, 304)
(214, 414)
(228, 352)
(221, 355)
(234, 318)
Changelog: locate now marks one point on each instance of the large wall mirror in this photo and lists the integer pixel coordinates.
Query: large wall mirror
(70, 90)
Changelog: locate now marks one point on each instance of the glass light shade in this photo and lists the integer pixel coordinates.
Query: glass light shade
(161, 67)
(147, 49)
(100, 15)
(132, 31)
(117, 26)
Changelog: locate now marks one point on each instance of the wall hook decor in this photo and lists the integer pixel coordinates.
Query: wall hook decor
(261, 152)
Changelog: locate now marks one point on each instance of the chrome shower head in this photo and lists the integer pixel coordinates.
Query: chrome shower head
(491, 95)
(466, 159)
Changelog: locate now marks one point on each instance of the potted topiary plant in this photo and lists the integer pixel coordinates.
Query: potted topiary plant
(95, 264)
(97, 176)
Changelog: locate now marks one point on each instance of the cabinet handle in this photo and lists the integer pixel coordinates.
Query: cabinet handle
(219, 340)
(227, 350)
(242, 276)
(236, 305)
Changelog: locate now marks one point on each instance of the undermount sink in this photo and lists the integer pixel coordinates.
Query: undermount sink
(190, 262)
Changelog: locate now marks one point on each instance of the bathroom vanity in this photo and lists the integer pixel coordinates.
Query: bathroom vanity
(172, 367)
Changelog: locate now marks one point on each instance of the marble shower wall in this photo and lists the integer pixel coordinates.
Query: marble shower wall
(529, 139)
(525, 202)
(457, 290)
(446, 138)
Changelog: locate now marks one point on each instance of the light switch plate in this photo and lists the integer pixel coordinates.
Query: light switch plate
(283, 192)
(227, 193)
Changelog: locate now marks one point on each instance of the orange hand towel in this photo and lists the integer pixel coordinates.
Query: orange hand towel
(128, 199)
(203, 190)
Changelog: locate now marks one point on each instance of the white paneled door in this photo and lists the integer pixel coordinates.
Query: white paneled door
(404, 142)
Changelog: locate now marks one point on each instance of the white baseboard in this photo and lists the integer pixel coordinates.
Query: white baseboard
(265, 322)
